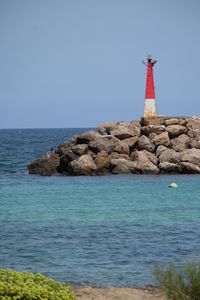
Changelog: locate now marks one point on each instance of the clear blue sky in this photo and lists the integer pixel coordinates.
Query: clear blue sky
(77, 63)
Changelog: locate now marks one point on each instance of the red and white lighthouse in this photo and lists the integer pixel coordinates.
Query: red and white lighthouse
(150, 100)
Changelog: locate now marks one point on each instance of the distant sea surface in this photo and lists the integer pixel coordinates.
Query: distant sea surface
(98, 231)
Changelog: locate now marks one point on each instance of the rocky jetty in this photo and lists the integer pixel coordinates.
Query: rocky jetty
(127, 148)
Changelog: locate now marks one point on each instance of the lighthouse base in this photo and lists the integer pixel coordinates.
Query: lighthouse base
(157, 120)
(150, 108)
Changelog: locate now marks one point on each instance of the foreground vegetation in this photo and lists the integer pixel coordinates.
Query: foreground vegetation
(179, 284)
(28, 286)
(176, 283)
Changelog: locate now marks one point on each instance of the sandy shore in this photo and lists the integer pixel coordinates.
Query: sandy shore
(113, 293)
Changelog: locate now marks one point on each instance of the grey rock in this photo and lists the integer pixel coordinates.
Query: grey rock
(108, 144)
(171, 156)
(182, 122)
(84, 165)
(102, 160)
(162, 139)
(193, 123)
(189, 168)
(146, 130)
(116, 155)
(144, 143)
(86, 137)
(160, 149)
(192, 156)
(194, 143)
(123, 166)
(175, 130)
(167, 167)
(106, 127)
(46, 165)
(66, 146)
(194, 133)
(103, 172)
(194, 138)
(151, 157)
(131, 142)
(136, 123)
(103, 143)
(152, 136)
(92, 154)
(65, 160)
(70, 155)
(180, 143)
(80, 149)
(125, 131)
(171, 121)
(122, 148)
(144, 165)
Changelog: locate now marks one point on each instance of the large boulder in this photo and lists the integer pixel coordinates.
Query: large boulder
(66, 146)
(182, 122)
(125, 131)
(175, 130)
(180, 143)
(116, 155)
(108, 144)
(175, 121)
(79, 149)
(194, 141)
(84, 165)
(191, 156)
(189, 168)
(151, 157)
(193, 123)
(152, 135)
(86, 137)
(46, 165)
(106, 127)
(136, 127)
(160, 149)
(144, 143)
(103, 143)
(167, 167)
(65, 160)
(102, 160)
(144, 165)
(123, 166)
(171, 156)
(162, 139)
(122, 148)
(131, 142)
(171, 121)
(146, 130)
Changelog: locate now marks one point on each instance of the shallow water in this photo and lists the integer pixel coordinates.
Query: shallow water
(98, 231)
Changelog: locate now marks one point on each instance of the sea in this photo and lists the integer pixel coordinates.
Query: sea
(97, 231)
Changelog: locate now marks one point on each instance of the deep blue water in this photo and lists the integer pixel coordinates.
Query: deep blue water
(98, 231)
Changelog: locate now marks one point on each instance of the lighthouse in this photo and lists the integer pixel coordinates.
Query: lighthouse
(150, 100)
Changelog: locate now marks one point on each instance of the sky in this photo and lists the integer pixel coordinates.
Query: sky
(77, 63)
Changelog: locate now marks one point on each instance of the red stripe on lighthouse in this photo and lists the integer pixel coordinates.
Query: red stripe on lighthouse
(150, 92)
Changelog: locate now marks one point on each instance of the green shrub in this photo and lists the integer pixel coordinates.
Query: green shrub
(28, 286)
(179, 284)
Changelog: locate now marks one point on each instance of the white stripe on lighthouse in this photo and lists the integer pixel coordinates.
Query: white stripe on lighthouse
(150, 108)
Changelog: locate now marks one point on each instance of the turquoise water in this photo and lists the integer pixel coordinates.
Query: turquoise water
(99, 231)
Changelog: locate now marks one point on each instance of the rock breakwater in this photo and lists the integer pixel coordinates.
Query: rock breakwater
(127, 148)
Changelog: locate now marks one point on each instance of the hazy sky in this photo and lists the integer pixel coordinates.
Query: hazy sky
(77, 63)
